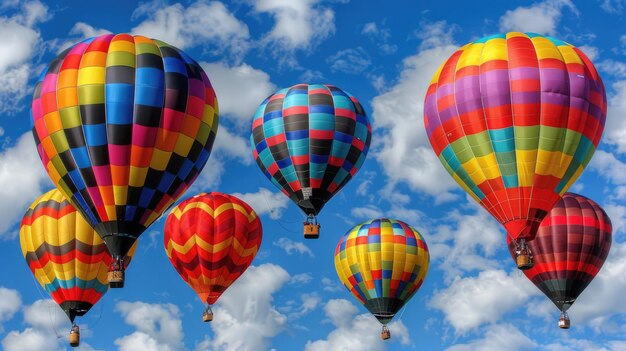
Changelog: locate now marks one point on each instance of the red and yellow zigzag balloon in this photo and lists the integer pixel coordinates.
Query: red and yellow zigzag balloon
(211, 239)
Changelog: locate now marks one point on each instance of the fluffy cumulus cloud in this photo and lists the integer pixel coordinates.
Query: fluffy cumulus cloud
(253, 315)
(613, 6)
(380, 35)
(10, 303)
(455, 244)
(351, 61)
(292, 247)
(19, 42)
(44, 319)
(265, 202)
(363, 331)
(497, 338)
(240, 90)
(21, 169)
(299, 24)
(615, 129)
(403, 149)
(206, 23)
(229, 145)
(609, 167)
(469, 302)
(158, 327)
(540, 17)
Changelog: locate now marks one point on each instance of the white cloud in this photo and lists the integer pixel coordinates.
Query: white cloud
(240, 90)
(308, 303)
(20, 41)
(291, 246)
(363, 330)
(301, 279)
(231, 145)
(613, 68)
(45, 315)
(380, 35)
(299, 24)
(617, 214)
(84, 30)
(366, 212)
(10, 302)
(331, 285)
(210, 177)
(591, 51)
(603, 297)
(453, 242)
(206, 23)
(158, 327)
(540, 17)
(29, 340)
(265, 202)
(613, 6)
(608, 166)
(402, 148)
(497, 338)
(351, 61)
(21, 168)
(238, 312)
(470, 302)
(615, 128)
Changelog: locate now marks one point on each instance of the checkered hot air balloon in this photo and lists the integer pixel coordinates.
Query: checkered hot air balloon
(211, 239)
(570, 248)
(66, 256)
(515, 118)
(382, 262)
(123, 125)
(310, 140)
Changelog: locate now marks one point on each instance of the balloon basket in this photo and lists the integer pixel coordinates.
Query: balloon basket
(74, 336)
(524, 262)
(385, 334)
(207, 316)
(116, 278)
(311, 231)
(564, 321)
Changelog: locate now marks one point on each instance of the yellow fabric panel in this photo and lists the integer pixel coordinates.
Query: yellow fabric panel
(470, 56)
(91, 75)
(546, 49)
(569, 55)
(494, 49)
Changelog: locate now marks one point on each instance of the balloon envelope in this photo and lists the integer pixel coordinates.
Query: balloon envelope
(382, 262)
(211, 239)
(65, 254)
(310, 140)
(515, 118)
(570, 248)
(123, 125)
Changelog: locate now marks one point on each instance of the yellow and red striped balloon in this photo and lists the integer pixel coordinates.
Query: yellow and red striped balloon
(67, 257)
(211, 239)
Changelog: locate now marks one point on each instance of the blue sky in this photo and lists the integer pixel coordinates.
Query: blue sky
(290, 299)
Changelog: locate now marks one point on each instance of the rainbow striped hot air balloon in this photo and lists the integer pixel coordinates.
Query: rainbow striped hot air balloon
(382, 262)
(123, 125)
(310, 140)
(570, 248)
(211, 239)
(66, 256)
(515, 118)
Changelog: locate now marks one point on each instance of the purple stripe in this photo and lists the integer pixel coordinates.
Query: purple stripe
(554, 98)
(468, 97)
(525, 97)
(445, 90)
(196, 88)
(524, 73)
(431, 114)
(495, 89)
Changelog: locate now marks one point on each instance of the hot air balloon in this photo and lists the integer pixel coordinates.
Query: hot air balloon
(570, 248)
(310, 140)
(66, 256)
(515, 118)
(211, 239)
(123, 125)
(382, 262)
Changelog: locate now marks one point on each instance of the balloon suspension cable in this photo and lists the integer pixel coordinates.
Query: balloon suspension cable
(74, 335)
(564, 321)
(116, 272)
(385, 333)
(523, 255)
(207, 316)
(311, 227)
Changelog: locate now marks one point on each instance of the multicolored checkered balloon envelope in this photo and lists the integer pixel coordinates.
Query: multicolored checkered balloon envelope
(515, 118)
(382, 262)
(310, 140)
(570, 248)
(65, 254)
(123, 125)
(211, 239)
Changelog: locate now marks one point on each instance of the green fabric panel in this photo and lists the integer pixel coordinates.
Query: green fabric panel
(149, 48)
(526, 138)
(572, 139)
(91, 94)
(551, 139)
(70, 117)
(59, 141)
(120, 58)
(462, 150)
